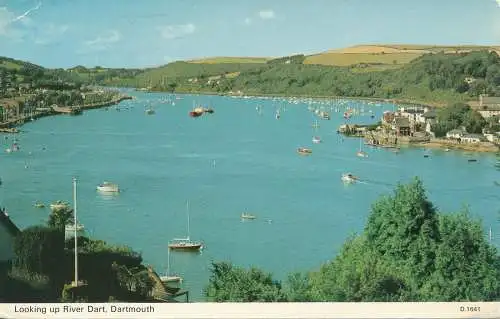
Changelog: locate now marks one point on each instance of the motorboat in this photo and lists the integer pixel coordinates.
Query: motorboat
(58, 205)
(195, 113)
(316, 140)
(150, 112)
(71, 227)
(246, 216)
(304, 151)
(349, 178)
(209, 111)
(107, 187)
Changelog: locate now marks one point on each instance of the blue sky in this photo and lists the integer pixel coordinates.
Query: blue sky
(133, 33)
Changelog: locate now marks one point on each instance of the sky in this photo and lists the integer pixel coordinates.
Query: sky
(145, 33)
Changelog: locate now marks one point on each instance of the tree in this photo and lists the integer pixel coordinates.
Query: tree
(39, 250)
(474, 122)
(229, 283)
(59, 218)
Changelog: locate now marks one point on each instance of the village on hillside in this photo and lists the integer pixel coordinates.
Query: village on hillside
(416, 123)
(22, 101)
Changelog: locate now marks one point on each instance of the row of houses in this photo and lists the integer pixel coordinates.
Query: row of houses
(409, 120)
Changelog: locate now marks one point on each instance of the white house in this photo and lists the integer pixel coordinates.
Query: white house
(472, 138)
(413, 113)
(490, 137)
(8, 231)
(455, 134)
(489, 106)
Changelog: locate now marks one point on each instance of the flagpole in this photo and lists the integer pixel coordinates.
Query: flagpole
(75, 284)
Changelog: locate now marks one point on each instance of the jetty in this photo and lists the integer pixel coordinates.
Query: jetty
(66, 110)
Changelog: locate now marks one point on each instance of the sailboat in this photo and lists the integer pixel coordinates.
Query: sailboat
(170, 278)
(360, 152)
(185, 244)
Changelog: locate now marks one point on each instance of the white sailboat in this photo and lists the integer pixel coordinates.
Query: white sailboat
(185, 244)
(360, 152)
(170, 278)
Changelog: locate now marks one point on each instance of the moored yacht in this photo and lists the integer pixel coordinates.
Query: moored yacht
(107, 187)
(304, 151)
(247, 216)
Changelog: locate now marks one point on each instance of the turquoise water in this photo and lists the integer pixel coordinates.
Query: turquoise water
(224, 164)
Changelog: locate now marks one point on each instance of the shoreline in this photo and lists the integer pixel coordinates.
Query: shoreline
(397, 101)
(11, 126)
(481, 147)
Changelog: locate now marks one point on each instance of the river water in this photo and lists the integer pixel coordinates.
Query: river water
(232, 161)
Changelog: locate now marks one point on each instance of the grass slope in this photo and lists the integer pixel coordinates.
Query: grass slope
(216, 60)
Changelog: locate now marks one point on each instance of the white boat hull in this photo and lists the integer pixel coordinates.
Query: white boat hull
(170, 279)
(108, 189)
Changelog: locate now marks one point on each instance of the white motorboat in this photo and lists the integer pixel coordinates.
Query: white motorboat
(316, 140)
(107, 187)
(247, 216)
(71, 227)
(349, 178)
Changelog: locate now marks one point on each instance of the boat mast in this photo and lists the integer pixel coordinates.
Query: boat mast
(76, 232)
(187, 213)
(168, 261)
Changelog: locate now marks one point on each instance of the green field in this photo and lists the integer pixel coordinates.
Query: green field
(216, 60)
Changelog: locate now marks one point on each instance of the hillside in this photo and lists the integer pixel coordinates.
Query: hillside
(436, 78)
(416, 72)
(382, 57)
(216, 60)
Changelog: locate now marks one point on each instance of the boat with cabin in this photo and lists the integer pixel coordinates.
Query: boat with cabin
(185, 244)
(71, 227)
(304, 151)
(107, 187)
(349, 178)
(247, 216)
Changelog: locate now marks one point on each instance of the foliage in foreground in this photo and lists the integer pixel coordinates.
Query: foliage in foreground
(407, 252)
(44, 265)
